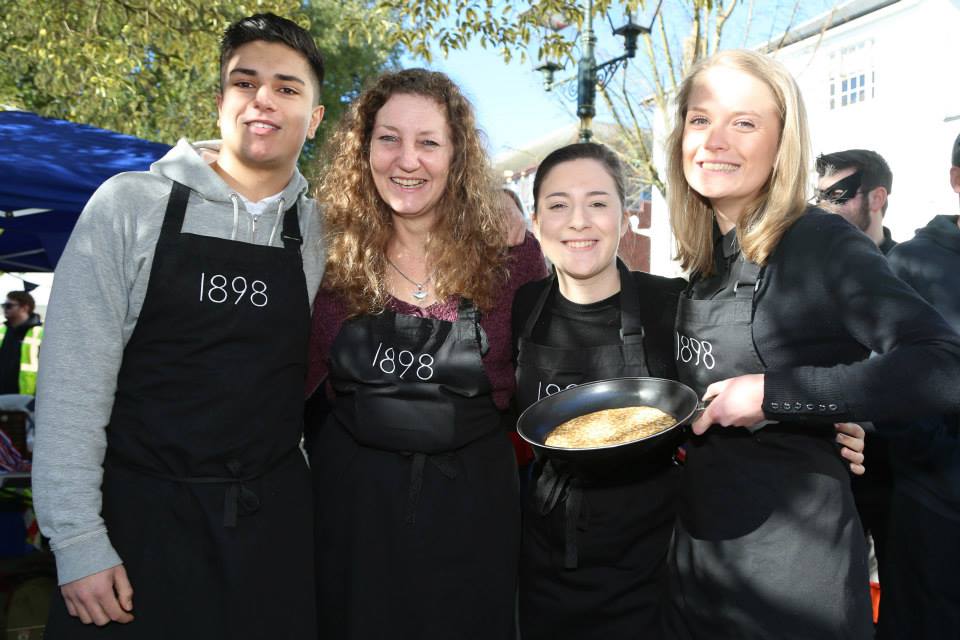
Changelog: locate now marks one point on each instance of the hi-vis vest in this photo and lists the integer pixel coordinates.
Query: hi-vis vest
(29, 358)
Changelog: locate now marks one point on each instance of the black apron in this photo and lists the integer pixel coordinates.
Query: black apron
(415, 484)
(594, 541)
(206, 495)
(768, 543)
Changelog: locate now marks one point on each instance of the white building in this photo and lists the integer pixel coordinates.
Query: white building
(881, 75)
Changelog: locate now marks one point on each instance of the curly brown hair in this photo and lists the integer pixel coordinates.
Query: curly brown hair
(466, 247)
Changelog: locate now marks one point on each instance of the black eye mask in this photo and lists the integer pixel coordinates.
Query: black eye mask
(841, 190)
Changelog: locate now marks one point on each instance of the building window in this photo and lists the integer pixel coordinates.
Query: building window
(852, 77)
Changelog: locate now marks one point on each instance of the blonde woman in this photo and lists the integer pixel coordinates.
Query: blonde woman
(417, 501)
(784, 306)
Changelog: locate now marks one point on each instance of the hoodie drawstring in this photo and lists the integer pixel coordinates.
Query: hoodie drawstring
(236, 214)
(276, 224)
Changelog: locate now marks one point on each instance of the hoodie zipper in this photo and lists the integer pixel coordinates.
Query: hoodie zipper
(253, 219)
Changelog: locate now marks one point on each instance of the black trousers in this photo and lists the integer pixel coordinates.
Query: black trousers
(921, 590)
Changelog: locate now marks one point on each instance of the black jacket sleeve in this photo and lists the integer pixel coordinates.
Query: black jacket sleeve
(832, 299)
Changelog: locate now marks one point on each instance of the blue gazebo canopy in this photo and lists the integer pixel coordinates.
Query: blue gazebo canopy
(48, 171)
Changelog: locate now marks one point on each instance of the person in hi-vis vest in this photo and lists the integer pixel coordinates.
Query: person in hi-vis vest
(21, 335)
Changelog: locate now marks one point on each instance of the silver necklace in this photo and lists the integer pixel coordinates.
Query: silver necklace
(419, 293)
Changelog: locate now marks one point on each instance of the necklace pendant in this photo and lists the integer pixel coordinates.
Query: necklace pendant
(419, 293)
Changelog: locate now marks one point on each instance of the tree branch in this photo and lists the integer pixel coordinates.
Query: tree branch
(722, 16)
(658, 89)
(637, 143)
(668, 55)
(786, 31)
(746, 29)
(95, 19)
(695, 29)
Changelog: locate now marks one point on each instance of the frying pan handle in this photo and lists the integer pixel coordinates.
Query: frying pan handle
(703, 404)
(697, 412)
(760, 425)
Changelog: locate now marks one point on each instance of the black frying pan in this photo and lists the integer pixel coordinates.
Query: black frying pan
(543, 416)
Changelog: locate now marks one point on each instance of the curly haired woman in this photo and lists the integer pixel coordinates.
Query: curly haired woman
(415, 479)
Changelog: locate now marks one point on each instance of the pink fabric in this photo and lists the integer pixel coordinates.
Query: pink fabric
(526, 264)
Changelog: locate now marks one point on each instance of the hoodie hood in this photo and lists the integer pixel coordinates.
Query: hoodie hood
(942, 230)
(32, 321)
(189, 164)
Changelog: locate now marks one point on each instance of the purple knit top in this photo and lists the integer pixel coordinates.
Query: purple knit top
(525, 264)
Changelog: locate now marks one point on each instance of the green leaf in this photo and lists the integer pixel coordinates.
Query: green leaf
(150, 68)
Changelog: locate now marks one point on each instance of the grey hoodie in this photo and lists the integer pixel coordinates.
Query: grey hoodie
(98, 291)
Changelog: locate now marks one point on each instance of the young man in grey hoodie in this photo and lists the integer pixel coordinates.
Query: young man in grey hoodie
(167, 470)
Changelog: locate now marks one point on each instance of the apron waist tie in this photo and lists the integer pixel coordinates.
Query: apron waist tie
(238, 498)
(571, 519)
(555, 486)
(443, 461)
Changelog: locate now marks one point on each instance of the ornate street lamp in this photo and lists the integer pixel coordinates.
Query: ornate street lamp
(590, 73)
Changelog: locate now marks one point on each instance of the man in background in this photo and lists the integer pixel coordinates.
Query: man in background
(21, 333)
(858, 182)
(921, 590)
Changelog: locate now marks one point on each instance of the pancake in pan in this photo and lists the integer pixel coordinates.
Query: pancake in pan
(609, 427)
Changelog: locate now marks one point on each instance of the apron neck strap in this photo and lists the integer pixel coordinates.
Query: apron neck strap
(176, 209)
(531, 321)
(468, 312)
(631, 324)
(746, 284)
(749, 277)
(291, 228)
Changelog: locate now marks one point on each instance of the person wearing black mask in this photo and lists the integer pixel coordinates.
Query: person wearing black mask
(858, 183)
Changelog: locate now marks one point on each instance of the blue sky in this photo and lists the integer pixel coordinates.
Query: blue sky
(514, 110)
(512, 107)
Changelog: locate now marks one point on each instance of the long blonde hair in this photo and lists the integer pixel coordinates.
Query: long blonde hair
(467, 245)
(783, 197)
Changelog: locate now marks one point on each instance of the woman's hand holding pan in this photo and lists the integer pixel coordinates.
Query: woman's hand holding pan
(734, 402)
